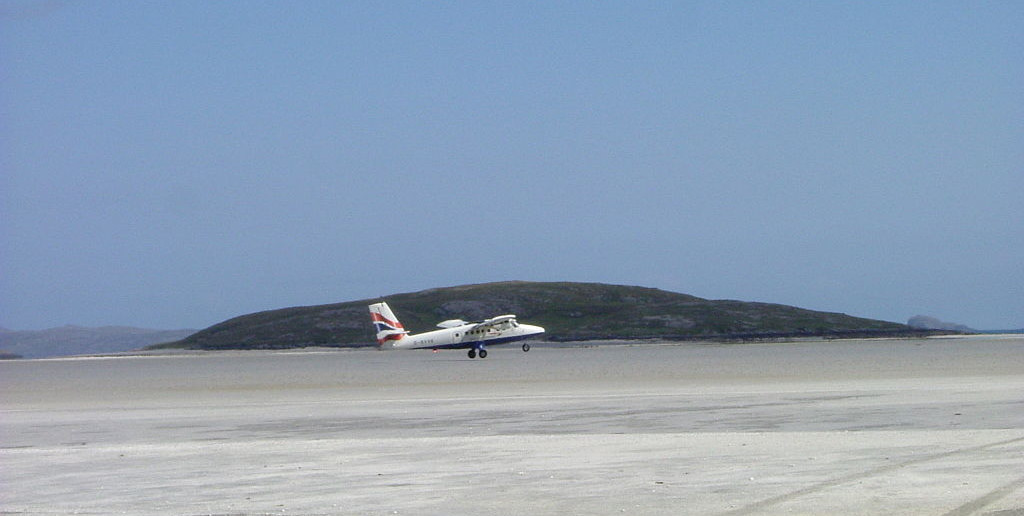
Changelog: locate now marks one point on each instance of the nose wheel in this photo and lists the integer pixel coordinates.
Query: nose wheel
(526, 347)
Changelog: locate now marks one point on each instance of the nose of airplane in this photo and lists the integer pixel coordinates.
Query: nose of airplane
(532, 330)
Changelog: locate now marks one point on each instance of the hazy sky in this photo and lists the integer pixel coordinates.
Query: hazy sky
(175, 164)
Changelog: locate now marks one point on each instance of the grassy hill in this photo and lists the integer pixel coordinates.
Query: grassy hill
(569, 311)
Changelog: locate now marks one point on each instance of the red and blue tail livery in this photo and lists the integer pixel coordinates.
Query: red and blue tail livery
(387, 325)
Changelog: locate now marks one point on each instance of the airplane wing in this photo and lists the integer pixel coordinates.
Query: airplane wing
(494, 321)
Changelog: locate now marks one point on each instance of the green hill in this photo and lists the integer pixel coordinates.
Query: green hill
(569, 311)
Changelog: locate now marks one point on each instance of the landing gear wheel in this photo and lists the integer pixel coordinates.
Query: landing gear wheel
(483, 353)
(472, 353)
(526, 347)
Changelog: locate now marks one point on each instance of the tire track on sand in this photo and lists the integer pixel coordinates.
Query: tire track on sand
(768, 502)
(987, 499)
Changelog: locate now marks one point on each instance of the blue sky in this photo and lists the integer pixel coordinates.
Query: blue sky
(174, 164)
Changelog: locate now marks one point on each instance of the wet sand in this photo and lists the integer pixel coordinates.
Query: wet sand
(932, 426)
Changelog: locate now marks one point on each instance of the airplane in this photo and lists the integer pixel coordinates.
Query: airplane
(454, 333)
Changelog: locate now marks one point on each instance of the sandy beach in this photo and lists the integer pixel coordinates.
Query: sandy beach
(931, 426)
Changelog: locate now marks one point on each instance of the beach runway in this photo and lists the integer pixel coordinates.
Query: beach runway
(929, 426)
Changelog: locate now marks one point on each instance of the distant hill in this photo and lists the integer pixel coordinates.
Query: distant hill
(924, 322)
(569, 311)
(78, 340)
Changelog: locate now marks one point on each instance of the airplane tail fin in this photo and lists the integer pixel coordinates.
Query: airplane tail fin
(387, 325)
